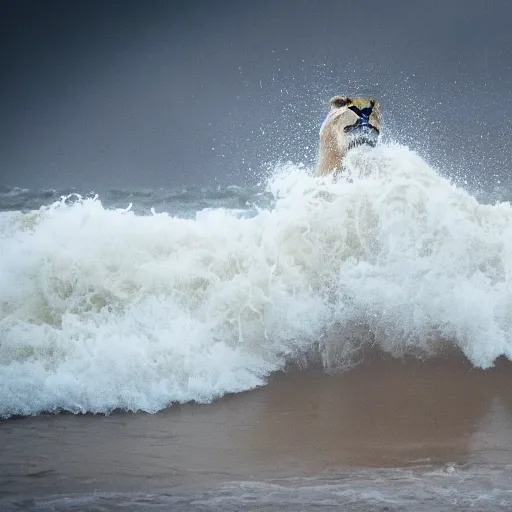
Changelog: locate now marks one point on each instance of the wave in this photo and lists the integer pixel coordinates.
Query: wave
(182, 201)
(103, 308)
(449, 488)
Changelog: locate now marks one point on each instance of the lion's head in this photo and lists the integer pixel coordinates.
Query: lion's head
(349, 123)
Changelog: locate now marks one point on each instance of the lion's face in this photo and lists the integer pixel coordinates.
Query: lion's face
(353, 121)
(350, 122)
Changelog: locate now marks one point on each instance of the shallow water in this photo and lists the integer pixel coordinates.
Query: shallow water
(388, 432)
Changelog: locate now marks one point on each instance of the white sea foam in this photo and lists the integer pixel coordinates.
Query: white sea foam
(101, 309)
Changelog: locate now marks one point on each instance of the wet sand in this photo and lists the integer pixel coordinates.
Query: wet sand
(381, 414)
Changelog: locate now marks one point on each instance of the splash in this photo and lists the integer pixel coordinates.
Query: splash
(103, 308)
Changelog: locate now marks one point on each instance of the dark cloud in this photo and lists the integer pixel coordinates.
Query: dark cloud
(153, 94)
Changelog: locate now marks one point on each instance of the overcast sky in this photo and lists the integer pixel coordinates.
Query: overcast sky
(158, 94)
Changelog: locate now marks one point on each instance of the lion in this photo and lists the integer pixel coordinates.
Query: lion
(349, 123)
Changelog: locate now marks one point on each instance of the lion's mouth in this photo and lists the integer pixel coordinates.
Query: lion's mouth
(363, 137)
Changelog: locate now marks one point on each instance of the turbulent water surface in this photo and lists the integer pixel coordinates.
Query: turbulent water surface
(136, 300)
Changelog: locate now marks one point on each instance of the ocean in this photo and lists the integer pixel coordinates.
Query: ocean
(299, 344)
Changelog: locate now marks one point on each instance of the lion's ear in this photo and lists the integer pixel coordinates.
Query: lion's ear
(339, 101)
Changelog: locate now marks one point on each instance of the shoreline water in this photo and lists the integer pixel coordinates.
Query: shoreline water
(384, 414)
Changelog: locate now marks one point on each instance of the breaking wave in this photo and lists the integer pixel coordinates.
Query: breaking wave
(103, 308)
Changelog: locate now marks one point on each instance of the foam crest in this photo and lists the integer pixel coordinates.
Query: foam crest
(103, 309)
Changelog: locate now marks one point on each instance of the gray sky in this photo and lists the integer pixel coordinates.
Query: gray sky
(157, 94)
